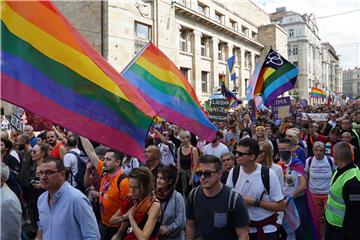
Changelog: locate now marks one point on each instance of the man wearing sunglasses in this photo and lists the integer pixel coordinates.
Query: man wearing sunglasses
(262, 203)
(64, 212)
(214, 211)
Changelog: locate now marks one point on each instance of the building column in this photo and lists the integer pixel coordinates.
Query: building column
(196, 50)
(252, 62)
(214, 75)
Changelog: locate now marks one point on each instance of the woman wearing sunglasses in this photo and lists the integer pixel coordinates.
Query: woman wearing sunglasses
(140, 212)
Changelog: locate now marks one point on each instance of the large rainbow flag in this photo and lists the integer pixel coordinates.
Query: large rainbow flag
(317, 93)
(167, 91)
(50, 70)
(276, 77)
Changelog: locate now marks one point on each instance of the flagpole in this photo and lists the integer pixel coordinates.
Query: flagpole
(135, 58)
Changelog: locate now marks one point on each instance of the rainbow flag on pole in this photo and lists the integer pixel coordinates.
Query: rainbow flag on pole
(276, 77)
(50, 70)
(317, 93)
(166, 90)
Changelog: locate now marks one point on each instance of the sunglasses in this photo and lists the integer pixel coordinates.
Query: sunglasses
(240, 154)
(206, 174)
(49, 172)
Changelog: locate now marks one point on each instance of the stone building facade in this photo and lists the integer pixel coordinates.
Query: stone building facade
(198, 36)
(351, 83)
(318, 62)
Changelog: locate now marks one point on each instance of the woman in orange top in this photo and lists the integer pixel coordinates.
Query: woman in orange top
(142, 209)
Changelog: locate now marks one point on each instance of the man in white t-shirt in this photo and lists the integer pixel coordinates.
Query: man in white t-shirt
(216, 147)
(167, 149)
(70, 159)
(262, 204)
(319, 169)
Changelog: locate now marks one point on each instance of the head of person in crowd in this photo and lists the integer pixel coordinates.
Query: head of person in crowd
(346, 124)
(247, 150)
(149, 140)
(265, 156)
(5, 172)
(166, 135)
(342, 154)
(232, 126)
(253, 128)
(52, 174)
(101, 151)
(112, 161)
(319, 150)
(51, 138)
(6, 146)
(305, 129)
(284, 147)
(14, 134)
(41, 137)
(334, 135)
(260, 133)
(221, 126)
(185, 137)
(40, 152)
(23, 142)
(4, 134)
(357, 119)
(346, 137)
(29, 130)
(164, 125)
(166, 182)
(316, 127)
(140, 183)
(216, 141)
(152, 154)
(332, 116)
(72, 141)
(246, 132)
(177, 130)
(268, 130)
(227, 161)
(293, 135)
(209, 171)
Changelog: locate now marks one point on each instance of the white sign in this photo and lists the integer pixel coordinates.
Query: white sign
(318, 117)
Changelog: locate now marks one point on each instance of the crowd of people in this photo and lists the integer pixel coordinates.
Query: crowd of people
(263, 178)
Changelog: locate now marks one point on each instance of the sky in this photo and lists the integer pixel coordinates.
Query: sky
(342, 31)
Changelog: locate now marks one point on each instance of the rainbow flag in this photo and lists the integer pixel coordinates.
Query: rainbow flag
(166, 90)
(276, 77)
(317, 93)
(252, 83)
(50, 70)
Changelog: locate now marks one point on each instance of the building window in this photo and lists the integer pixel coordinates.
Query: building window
(219, 17)
(203, 46)
(185, 72)
(233, 24)
(295, 50)
(245, 31)
(289, 50)
(142, 36)
(182, 41)
(253, 35)
(142, 31)
(291, 32)
(202, 8)
(221, 51)
(204, 81)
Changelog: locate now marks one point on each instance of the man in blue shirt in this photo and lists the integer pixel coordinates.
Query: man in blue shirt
(64, 212)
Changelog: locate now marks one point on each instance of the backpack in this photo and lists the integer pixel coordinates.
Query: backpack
(231, 201)
(82, 160)
(327, 158)
(265, 177)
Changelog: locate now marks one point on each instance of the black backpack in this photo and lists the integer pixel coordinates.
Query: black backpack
(265, 177)
(82, 160)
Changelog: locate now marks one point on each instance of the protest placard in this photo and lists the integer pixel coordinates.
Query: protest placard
(318, 117)
(218, 110)
(281, 107)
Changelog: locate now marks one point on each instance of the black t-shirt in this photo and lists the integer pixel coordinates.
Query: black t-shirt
(212, 217)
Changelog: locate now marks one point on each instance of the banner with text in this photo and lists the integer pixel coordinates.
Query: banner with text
(218, 110)
(318, 117)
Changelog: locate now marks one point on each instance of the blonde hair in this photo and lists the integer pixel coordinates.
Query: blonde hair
(268, 151)
(294, 133)
(184, 134)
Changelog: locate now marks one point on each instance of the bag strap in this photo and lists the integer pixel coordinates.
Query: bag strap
(232, 200)
(235, 175)
(120, 178)
(330, 163)
(192, 195)
(265, 177)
